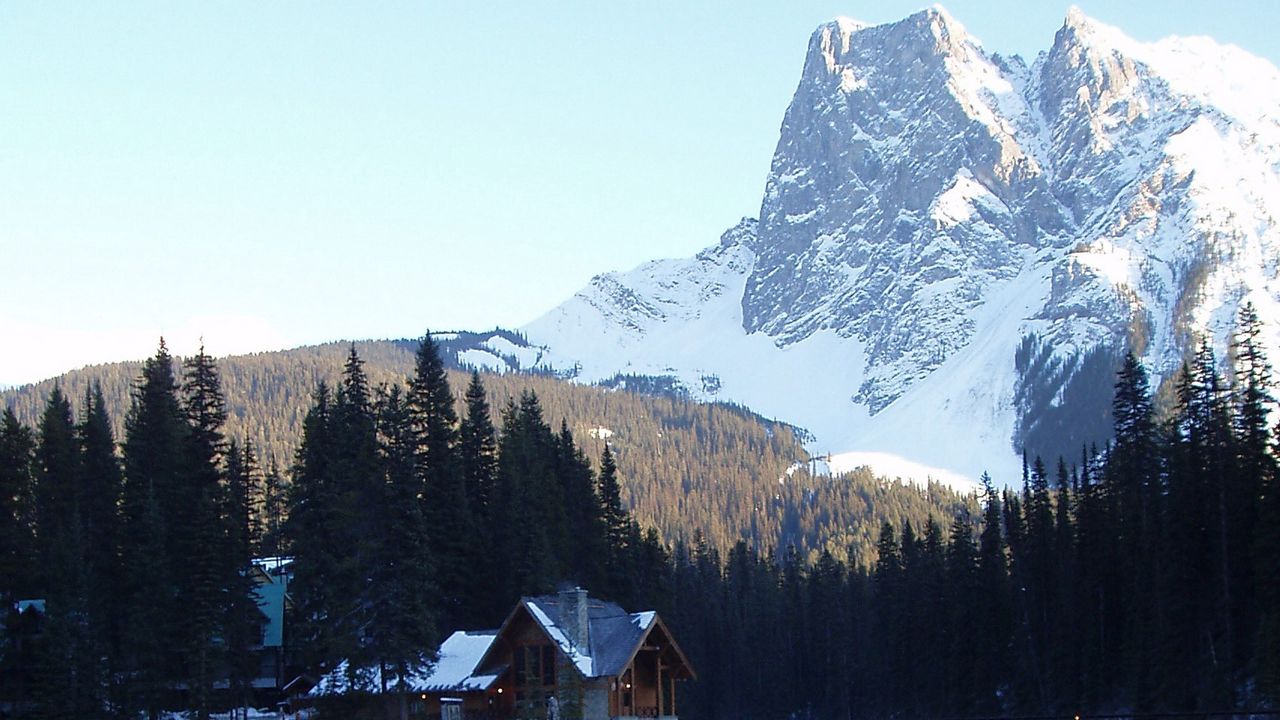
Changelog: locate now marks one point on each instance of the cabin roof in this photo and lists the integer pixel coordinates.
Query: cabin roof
(612, 637)
(454, 670)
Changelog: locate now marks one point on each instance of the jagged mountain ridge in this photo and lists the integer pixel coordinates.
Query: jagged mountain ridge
(953, 247)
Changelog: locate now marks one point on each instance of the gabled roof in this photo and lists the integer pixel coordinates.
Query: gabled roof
(24, 605)
(454, 670)
(614, 636)
(270, 599)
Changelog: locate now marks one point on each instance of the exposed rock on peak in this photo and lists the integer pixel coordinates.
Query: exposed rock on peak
(953, 247)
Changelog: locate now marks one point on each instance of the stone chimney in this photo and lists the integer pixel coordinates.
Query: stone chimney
(574, 618)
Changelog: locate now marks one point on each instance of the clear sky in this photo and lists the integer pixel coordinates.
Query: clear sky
(273, 174)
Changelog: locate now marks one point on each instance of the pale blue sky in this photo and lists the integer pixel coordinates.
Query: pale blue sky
(273, 174)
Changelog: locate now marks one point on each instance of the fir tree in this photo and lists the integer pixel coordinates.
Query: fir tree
(994, 613)
(478, 456)
(153, 617)
(206, 565)
(17, 540)
(446, 509)
(242, 620)
(313, 534)
(615, 520)
(403, 599)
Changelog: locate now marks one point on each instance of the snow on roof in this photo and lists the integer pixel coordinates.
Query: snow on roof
(455, 670)
(581, 660)
(613, 634)
(452, 672)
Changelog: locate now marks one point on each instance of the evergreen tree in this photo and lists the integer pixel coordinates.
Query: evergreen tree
(100, 481)
(478, 450)
(313, 537)
(57, 501)
(478, 456)
(615, 520)
(273, 510)
(17, 537)
(205, 562)
(403, 598)
(586, 547)
(358, 478)
(1133, 486)
(1253, 478)
(962, 620)
(528, 512)
(995, 612)
(68, 677)
(444, 494)
(152, 495)
(242, 619)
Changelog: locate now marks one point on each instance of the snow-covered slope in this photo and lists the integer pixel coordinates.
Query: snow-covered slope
(948, 237)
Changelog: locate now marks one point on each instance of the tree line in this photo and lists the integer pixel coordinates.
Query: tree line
(683, 465)
(407, 521)
(139, 558)
(1141, 577)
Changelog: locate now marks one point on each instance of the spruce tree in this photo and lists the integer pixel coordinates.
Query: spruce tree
(404, 600)
(242, 619)
(273, 510)
(17, 538)
(961, 619)
(56, 496)
(615, 520)
(445, 505)
(1133, 485)
(526, 503)
(152, 499)
(587, 543)
(314, 536)
(478, 457)
(1254, 477)
(100, 481)
(69, 679)
(995, 612)
(358, 478)
(206, 566)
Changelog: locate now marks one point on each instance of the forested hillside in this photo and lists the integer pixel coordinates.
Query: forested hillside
(685, 466)
(1139, 577)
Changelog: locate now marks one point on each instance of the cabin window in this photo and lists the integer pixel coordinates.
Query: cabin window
(535, 666)
(548, 666)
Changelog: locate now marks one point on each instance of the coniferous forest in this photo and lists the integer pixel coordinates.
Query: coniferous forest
(1140, 576)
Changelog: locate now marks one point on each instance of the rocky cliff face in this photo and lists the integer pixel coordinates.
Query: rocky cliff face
(948, 237)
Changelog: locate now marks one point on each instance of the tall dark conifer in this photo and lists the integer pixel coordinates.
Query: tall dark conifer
(994, 612)
(314, 536)
(1254, 477)
(587, 543)
(358, 478)
(242, 620)
(446, 509)
(69, 678)
(152, 497)
(206, 563)
(404, 600)
(478, 457)
(17, 538)
(1133, 487)
(615, 519)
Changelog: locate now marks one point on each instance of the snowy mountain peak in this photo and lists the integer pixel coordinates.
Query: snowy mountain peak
(953, 248)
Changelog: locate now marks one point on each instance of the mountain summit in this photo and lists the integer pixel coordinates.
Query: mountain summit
(954, 247)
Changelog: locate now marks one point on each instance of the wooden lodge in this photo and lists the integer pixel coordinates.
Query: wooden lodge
(557, 656)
